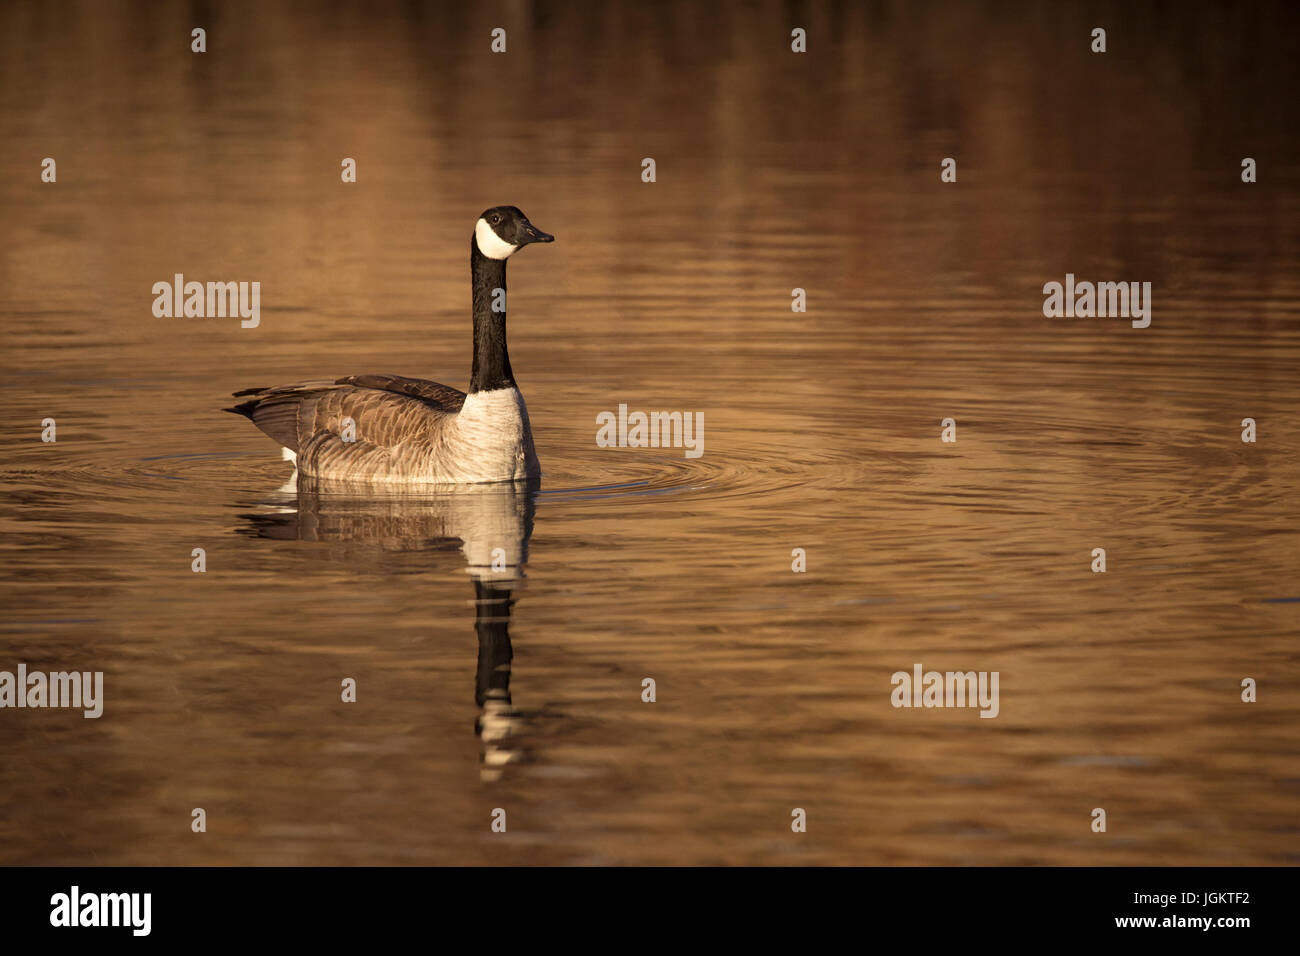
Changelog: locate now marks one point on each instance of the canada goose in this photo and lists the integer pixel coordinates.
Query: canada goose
(388, 428)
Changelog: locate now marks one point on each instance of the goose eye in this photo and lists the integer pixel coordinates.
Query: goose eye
(496, 220)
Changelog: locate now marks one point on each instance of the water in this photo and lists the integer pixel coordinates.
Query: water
(774, 171)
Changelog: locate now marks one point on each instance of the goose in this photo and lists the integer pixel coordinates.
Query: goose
(376, 429)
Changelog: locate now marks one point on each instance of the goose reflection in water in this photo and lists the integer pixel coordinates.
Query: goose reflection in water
(493, 524)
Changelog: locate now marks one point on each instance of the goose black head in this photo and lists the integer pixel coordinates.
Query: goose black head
(503, 230)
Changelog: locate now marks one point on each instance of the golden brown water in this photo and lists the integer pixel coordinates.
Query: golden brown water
(822, 431)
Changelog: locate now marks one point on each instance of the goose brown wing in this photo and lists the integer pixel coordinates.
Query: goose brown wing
(448, 398)
(386, 409)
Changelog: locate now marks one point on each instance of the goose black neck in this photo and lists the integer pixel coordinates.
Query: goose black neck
(491, 359)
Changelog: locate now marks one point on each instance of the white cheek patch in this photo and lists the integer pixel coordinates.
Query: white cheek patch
(490, 244)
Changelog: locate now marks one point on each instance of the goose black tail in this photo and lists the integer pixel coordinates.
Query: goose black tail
(246, 409)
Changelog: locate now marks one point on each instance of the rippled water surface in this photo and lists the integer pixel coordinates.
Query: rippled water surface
(482, 688)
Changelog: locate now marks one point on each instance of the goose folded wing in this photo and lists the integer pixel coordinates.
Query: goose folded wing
(384, 410)
(447, 398)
